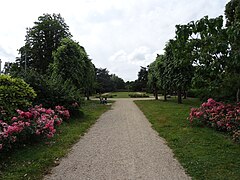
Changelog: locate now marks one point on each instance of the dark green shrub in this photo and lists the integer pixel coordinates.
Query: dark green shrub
(15, 94)
(64, 93)
(53, 91)
(194, 93)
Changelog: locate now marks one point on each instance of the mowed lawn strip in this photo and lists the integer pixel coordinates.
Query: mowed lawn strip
(33, 161)
(124, 94)
(203, 152)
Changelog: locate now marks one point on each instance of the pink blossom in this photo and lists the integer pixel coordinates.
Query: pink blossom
(50, 135)
(42, 120)
(28, 115)
(38, 132)
(43, 117)
(59, 122)
(49, 111)
(27, 124)
(19, 111)
(14, 118)
(58, 108)
(66, 114)
(199, 114)
(75, 104)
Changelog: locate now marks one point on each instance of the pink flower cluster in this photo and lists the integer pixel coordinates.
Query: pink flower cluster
(37, 121)
(223, 117)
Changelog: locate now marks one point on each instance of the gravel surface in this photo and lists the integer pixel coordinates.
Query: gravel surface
(121, 145)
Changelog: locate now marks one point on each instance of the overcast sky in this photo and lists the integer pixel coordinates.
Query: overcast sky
(120, 35)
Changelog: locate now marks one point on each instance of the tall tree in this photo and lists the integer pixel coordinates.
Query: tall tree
(232, 13)
(153, 78)
(178, 67)
(104, 83)
(69, 61)
(89, 77)
(156, 79)
(42, 40)
(211, 53)
(142, 80)
(118, 82)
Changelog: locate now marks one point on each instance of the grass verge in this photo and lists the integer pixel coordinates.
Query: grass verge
(122, 94)
(33, 161)
(203, 152)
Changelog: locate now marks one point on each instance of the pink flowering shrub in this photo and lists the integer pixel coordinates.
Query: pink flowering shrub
(37, 122)
(222, 117)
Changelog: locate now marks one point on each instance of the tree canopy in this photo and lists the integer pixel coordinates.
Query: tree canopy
(203, 55)
(42, 40)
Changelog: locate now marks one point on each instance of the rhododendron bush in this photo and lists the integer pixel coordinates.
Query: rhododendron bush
(222, 117)
(37, 122)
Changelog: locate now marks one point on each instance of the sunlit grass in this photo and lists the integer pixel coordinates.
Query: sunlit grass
(203, 152)
(122, 94)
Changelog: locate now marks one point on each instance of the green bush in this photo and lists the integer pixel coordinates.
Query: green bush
(15, 94)
(193, 93)
(62, 92)
(52, 91)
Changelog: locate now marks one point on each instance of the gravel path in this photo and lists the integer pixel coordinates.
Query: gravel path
(121, 145)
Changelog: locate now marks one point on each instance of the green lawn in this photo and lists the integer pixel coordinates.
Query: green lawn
(33, 161)
(121, 94)
(203, 152)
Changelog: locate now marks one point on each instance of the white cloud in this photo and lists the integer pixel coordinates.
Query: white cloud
(121, 35)
(126, 65)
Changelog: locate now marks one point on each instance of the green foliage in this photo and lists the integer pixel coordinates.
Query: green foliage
(232, 13)
(203, 152)
(153, 78)
(141, 83)
(72, 64)
(14, 94)
(89, 78)
(62, 92)
(53, 90)
(118, 82)
(104, 82)
(34, 161)
(138, 95)
(204, 55)
(57, 67)
(69, 62)
(41, 41)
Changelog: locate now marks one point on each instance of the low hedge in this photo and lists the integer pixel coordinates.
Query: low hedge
(138, 95)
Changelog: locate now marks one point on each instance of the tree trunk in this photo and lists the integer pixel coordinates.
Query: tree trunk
(179, 93)
(184, 94)
(238, 93)
(156, 93)
(87, 95)
(165, 95)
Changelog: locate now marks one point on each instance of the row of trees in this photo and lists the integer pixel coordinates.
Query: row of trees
(204, 55)
(56, 66)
